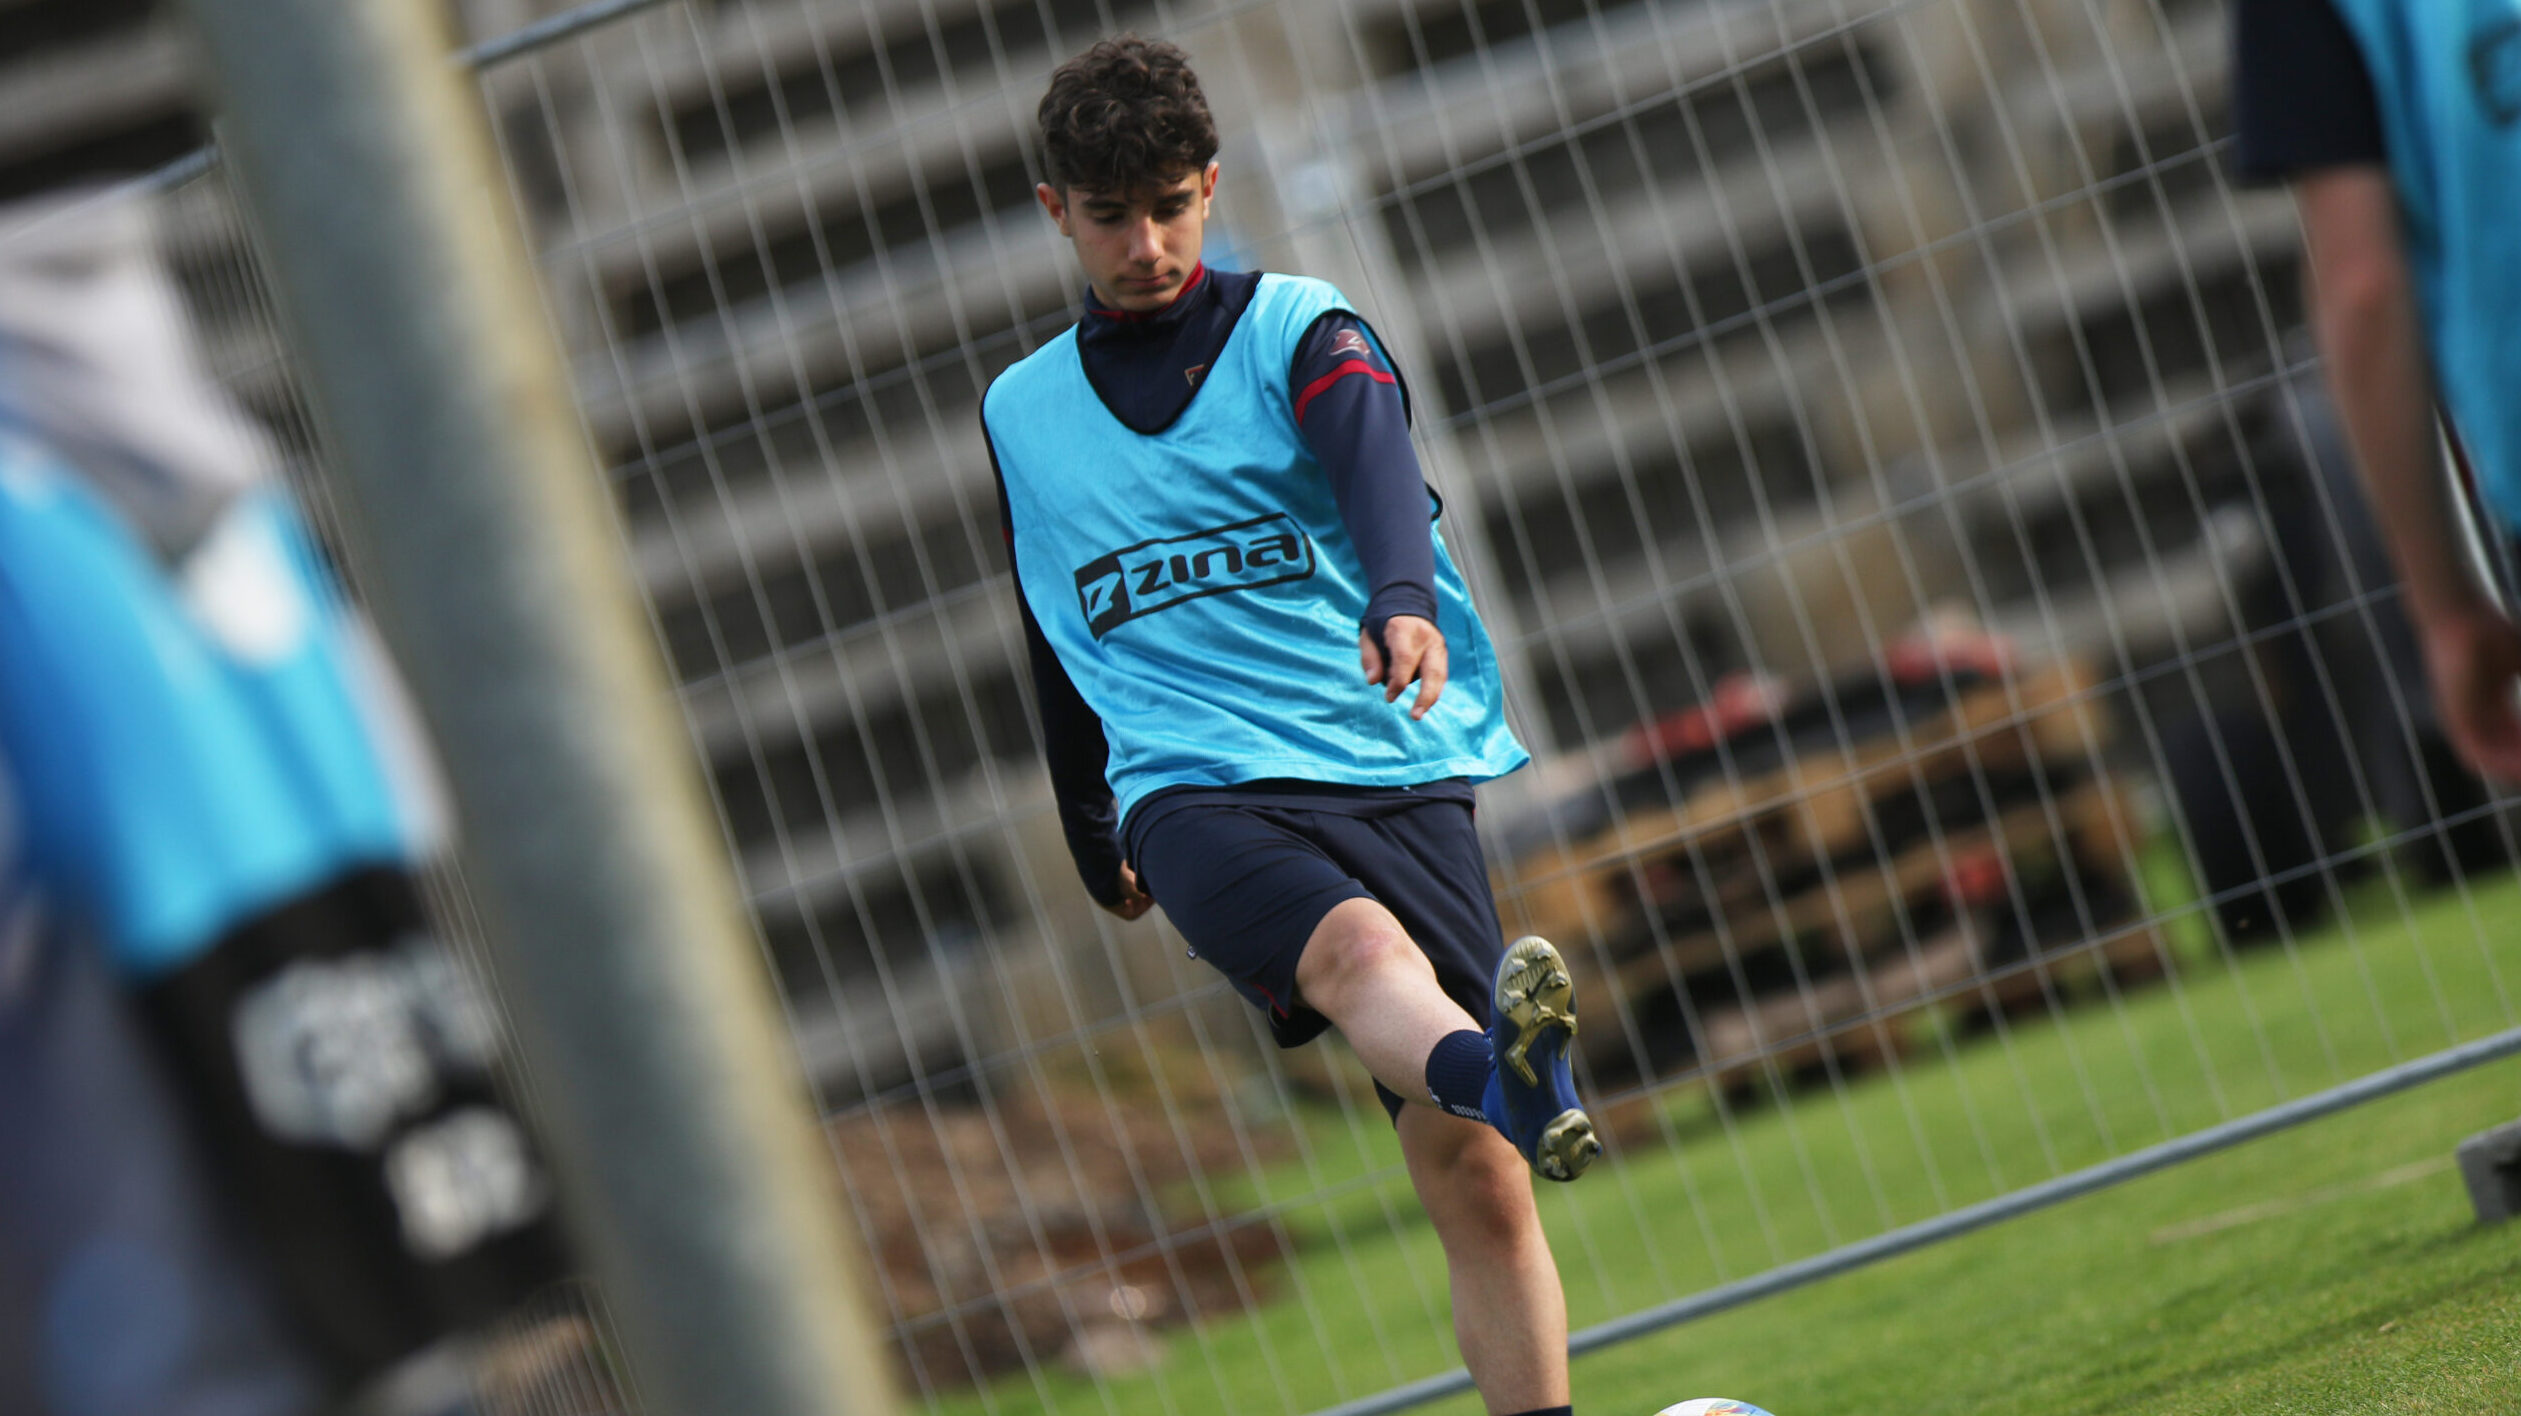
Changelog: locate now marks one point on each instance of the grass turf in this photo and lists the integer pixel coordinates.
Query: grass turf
(2328, 1269)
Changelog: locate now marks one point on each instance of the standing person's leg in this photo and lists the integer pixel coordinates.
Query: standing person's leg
(1375, 984)
(1403, 975)
(1234, 881)
(1509, 1310)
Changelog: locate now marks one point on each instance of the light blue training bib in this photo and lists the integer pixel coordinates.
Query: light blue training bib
(187, 753)
(1199, 586)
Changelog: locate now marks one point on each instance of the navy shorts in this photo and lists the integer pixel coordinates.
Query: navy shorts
(1246, 875)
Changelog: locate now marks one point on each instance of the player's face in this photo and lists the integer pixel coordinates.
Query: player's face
(1137, 247)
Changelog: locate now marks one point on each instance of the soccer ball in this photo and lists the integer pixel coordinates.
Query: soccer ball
(1712, 1406)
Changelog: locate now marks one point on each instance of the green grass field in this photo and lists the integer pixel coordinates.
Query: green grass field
(2333, 1268)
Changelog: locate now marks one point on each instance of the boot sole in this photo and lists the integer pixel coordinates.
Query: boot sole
(1568, 1145)
(1535, 994)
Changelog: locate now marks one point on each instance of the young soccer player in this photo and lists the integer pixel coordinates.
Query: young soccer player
(1229, 580)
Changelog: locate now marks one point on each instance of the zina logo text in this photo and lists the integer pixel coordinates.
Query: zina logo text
(1122, 585)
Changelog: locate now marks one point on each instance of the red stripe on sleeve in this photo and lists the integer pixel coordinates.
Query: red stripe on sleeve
(1314, 389)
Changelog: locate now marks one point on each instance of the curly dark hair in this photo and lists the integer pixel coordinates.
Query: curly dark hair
(1123, 116)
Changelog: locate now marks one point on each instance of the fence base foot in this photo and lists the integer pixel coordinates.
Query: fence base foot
(2490, 1162)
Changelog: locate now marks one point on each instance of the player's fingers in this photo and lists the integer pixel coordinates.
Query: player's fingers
(1408, 661)
(1134, 900)
(1432, 672)
(1369, 658)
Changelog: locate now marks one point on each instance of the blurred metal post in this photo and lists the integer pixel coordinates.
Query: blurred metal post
(676, 1117)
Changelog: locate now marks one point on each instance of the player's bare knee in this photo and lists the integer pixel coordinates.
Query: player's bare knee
(1486, 1198)
(1352, 949)
(1474, 1185)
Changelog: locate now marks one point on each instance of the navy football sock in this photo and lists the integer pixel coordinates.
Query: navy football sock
(1552, 1411)
(1457, 1073)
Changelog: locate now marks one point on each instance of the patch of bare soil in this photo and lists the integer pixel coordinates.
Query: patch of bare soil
(1056, 1225)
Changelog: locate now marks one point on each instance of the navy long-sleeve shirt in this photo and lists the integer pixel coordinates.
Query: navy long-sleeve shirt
(2302, 96)
(1353, 412)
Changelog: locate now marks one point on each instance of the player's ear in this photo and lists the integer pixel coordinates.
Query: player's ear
(1207, 187)
(1055, 202)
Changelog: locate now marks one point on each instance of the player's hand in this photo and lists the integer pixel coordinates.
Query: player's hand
(1133, 901)
(2473, 655)
(1418, 656)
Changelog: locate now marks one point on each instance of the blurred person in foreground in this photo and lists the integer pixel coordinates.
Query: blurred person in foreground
(2398, 122)
(250, 1158)
(1264, 691)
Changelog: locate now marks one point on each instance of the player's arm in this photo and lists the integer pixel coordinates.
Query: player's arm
(2366, 320)
(2364, 315)
(1350, 407)
(1076, 751)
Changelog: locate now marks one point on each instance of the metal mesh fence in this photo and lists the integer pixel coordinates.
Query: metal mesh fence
(1976, 738)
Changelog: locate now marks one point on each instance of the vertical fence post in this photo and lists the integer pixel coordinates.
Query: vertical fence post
(676, 1120)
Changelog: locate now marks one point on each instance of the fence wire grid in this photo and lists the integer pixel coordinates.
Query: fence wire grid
(1976, 735)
